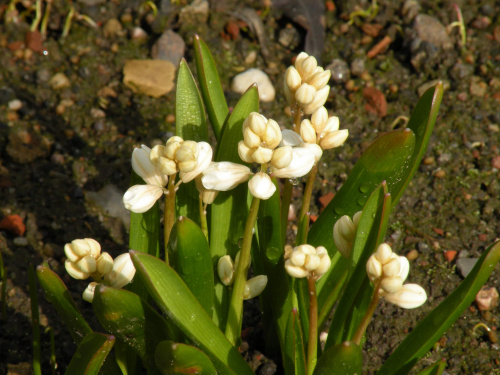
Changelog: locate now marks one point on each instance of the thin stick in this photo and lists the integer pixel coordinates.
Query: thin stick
(312, 347)
(358, 336)
(169, 214)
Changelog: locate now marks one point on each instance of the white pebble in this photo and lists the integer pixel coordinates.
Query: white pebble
(244, 80)
(15, 105)
(20, 241)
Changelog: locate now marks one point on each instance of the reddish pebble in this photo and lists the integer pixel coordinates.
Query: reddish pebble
(14, 224)
(330, 6)
(462, 96)
(483, 237)
(495, 162)
(313, 218)
(34, 41)
(376, 102)
(450, 255)
(438, 231)
(325, 199)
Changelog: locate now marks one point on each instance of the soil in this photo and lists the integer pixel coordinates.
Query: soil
(68, 125)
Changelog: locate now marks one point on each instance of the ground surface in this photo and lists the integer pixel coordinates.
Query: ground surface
(73, 134)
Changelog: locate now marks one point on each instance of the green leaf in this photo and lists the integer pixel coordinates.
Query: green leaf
(180, 359)
(294, 359)
(422, 122)
(189, 255)
(190, 124)
(437, 322)
(436, 369)
(57, 294)
(345, 358)
(132, 321)
(229, 210)
(175, 299)
(384, 160)
(211, 89)
(371, 231)
(90, 354)
(145, 228)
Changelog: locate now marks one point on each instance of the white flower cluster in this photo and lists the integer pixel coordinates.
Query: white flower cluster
(344, 232)
(306, 84)
(390, 271)
(226, 269)
(305, 260)
(84, 259)
(323, 130)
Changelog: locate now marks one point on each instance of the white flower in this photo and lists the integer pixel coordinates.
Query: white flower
(204, 159)
(123, 272)
(142, 165)
(225, 175)
(291, 138)
(409, 296)
(261, 186)
(88, 294)
(303, 160)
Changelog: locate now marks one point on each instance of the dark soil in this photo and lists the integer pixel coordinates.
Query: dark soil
(66, 142)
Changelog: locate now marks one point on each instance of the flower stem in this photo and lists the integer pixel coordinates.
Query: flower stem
(235, 315)
(203, 217)
(306, 200)
(358, 336)
(285, 208)
(169, 214)
(312, 348)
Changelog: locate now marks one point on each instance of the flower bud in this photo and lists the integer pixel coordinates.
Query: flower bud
(409, 296)
(334, 139)
(245, 152)
(87, 264)
(344, 232)
(251, 139)
(171, 147)
(225, 269)
(292, 79)
(295, 271)
(306, 259)
(122, 273)
(332, 124)
(305, 95)
(272, 135)
(223, 176)
(187, 156)
(307, 131)
(319, 119)
(391, 268)
(325, 261)
(307, 66)
(207, 196)
(88, 294)
(373, 268)
(300, 58)
(404, 267)
(384, 253)
(74, 271)
(80, 248)
(255, 286)
(356, 217)
(315, 149)
(391, 284)
(257, 123)
(204, 159)
(104, 264)
(319, 100)
(140, 198)
(319, 78)
(262, 155)
(282, 156)
(142, 165)
(312, 262)
(302, 162)
(261, 186)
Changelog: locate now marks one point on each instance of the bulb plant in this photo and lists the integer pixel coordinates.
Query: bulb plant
(226, 212)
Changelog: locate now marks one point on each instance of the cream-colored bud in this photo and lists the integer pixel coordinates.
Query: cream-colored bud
(325, 261)
(315, 149)
(123, 272)
(171, 148)
(255, 286)
(157, 152)
(225, 269)
(312, 262)
(87, 264)
(295, 271)
(373, 268)
(392, 268)
(223, 176)
(74, 271)
(282, 156)
(80, 248)
(332, 124)
(305, 95)
(319, 100)
(404, 267)
(245, 152)
(307, 67)
(257, 123)
(334, 139)
(104, 264)
(319, 119)
(319, 78)
(344, 232)
(187, 151)
(70, 253)
(175, 139)
(261, 186)
(88, 293)
(291, 138)
(140, 198)
(187, 166)
(204, 159)
(272, 135)
(207, 196)
(307, 131)
(356, 217)
(300, 58)
(391, 284)
(302, 161)
(409, 296)
(251, 139)
(297, 257)
(292, 79)
(166, 166)
(262, 155)
(384, 253)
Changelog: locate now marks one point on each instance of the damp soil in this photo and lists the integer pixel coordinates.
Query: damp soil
(62, 143)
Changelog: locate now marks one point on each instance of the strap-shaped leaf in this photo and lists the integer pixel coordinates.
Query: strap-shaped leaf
(180, 359)
(175, 299)
(294, 357)
(189, 255)
(371, 230)
(132, 321)
(57, 294)
(436, 369)
(211, 89)
(90, 354)
(437, 322)
(229, 210)
(345, 358)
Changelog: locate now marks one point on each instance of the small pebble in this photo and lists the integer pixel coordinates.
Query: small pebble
(340, 70)
(495, 162)
(20, 241)
(59, 81)
(244, 80)
(462, 96)
(450, 255)
(170, 47)
(357, 66)
(15, 105)
(412, 255)
(112, 28)
(439, 173)
(170, 118)
(429, 160)
(465, 265)
(251, 57)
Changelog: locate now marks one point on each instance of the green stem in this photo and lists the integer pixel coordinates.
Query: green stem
(203, 217)
(285, 208)
(3, 276)
(312, 347)
(169, 214)
(35, 322)
(67, 22)
(53, 362)
(45, 19)
(306, 200)
(358, 336)
(235, 315)
(38, 15)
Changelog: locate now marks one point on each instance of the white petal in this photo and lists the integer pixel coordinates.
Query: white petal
(142, 165)
(140, 198)
(74, 271)
(409, 296)
(319, 100)
(204, 160)
(88, 294)
(261, 186)
(404, 267)
(223, 176)
(254, 286)
(294, 271)
(302, 162)
(123, 272)
(291, 138)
